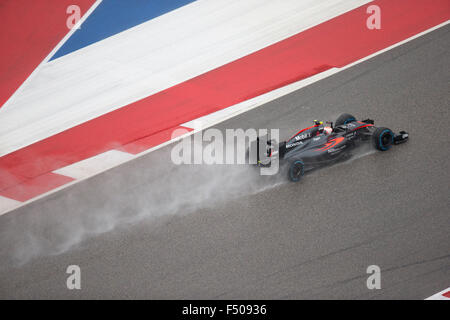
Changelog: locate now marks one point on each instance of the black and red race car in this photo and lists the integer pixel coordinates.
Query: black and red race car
(320, 145)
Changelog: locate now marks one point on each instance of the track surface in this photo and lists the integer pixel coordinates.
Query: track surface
(314, 239)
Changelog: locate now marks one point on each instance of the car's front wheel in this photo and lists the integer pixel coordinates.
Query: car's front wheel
(383, 138)
(296, 170)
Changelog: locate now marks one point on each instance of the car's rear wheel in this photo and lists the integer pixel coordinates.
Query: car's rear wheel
(296, 170)
(344, 119)
(383, 138)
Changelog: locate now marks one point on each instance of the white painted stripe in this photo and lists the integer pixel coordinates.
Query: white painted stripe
(94, 165)
(151, 57)
(439, 295)
(215, 118)
(7, 204)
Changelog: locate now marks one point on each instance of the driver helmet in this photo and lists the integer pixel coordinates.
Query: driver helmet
(319, 124)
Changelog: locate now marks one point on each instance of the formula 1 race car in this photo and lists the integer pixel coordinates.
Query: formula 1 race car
(320, 145)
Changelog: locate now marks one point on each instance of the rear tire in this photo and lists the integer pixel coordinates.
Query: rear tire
(296, 170)
(344, 119)
(383, 138)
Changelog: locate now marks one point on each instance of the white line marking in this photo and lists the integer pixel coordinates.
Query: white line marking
(89, 167)
(215, 118)
(7, 205)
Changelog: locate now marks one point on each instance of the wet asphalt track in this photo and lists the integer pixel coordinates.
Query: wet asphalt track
(309, 240)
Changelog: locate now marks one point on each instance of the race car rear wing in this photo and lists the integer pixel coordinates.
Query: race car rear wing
(263, 150)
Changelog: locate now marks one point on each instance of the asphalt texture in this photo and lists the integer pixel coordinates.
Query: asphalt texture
(150, 229)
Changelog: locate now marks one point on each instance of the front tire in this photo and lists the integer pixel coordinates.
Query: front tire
(344, 119)
(383, 138)
(296, 171)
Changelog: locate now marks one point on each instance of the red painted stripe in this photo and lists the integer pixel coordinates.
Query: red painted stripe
(143, 144)
(446, 294)
(29, 31)
(337, 43)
